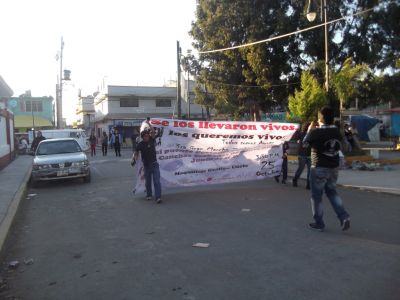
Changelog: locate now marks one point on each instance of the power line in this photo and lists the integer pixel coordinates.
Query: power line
(252, 86)
(291, 33)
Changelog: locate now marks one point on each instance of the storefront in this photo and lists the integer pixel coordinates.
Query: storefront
(127, 128)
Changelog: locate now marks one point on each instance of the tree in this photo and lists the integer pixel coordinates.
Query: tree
(242, 81)
(306, 102)
(345, 79)
(262, 76)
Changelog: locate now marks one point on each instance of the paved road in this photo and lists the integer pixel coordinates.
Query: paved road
(96, 241)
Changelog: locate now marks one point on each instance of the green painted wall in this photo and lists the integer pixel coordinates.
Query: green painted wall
(47, 104)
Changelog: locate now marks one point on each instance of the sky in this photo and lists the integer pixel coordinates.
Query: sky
(124, 42)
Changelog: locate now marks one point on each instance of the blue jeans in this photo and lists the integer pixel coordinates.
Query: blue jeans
(303, 161)
(324, 179)
(152, 171)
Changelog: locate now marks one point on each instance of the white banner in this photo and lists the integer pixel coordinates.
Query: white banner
(192, 153)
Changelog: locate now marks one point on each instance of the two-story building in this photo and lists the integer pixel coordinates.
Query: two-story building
(124, 108)
(85, 113)
(7, 145)
(32, 112)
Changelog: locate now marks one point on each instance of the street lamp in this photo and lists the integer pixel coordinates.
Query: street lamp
(311, 15)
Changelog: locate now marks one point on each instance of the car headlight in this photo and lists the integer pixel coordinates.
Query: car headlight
(41, 167)
(80, 163)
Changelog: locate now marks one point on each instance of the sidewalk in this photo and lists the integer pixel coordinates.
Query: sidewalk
(13, 182)
(377, 181)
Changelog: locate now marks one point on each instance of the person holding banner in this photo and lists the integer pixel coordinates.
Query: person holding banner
(147, 149)
(145, 126)
(304, 158)
(324, 139)
(284, 170)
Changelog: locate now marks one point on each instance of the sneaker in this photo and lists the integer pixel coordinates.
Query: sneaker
(148, 198)
(277, 179)
(158, 201)
(345, 224)
(315, 226)
(294, 182)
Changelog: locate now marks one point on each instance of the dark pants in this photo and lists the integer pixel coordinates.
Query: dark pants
(324, 179)
(303, 161)
(104, 149)
(93, 149)
(152, 172)
(284, 170)
(117, 147)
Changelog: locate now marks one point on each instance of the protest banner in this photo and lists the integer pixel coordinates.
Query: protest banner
(192, 153)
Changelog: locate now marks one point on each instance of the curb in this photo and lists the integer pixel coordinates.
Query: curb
(13, 208)
(363, 158)
(374, 190)
(361, 188)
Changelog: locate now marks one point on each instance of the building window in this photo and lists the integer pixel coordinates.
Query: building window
(39, 106)
(128, 102)
(29, 106)
(22, 106)
(163, 103)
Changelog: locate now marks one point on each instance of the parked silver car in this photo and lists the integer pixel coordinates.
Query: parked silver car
(60, 159)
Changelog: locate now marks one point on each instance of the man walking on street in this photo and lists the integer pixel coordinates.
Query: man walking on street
(324, 139)
(117, 143)
(147, 149)
(92, 141)
(104, 143)
(37, 140)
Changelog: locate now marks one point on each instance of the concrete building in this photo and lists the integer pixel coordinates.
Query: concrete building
(32, 112)
(7, 144)
(124, 108)
(85, 113)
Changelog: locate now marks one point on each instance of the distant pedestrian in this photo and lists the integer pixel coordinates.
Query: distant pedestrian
(117, 143)
(304, 156)
(111, 140)
(284, 170)
(104, 143)
(23, 145)
(92, 141)
(37, 140)
(349, 139)
(324, 139)
(147, 149)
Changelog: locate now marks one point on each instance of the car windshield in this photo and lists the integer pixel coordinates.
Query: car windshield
(58, 147)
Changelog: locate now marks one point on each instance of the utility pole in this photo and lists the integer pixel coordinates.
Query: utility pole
(178, 83)
(59, 90)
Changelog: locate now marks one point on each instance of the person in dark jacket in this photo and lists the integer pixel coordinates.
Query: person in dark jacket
(147, 149)
(92, 141)
(104, 143)
(39, 137)
(324, 139)
(117, 143)
(304, 156)
(284, 171)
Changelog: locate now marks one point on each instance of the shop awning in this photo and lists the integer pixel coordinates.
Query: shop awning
(27, 122)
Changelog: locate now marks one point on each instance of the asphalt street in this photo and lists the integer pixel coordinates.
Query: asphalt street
(99, 241)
